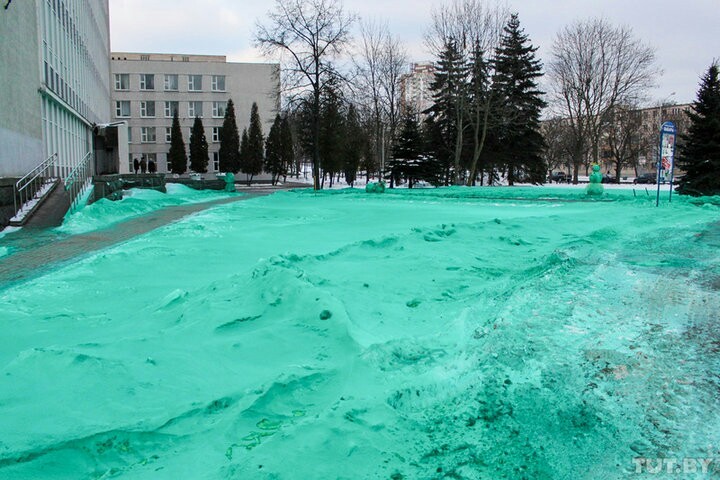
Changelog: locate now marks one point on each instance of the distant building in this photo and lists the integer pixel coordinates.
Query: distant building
(415, 87)
(55, 77)
(651, 119)
(147, 88)
(645, 137)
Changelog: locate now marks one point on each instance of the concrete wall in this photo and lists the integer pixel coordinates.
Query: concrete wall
(55, 81)
(20, 115)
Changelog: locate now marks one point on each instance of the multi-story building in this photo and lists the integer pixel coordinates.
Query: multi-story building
(415, 87)
(637, 130)
(147, 88)
(55, 77)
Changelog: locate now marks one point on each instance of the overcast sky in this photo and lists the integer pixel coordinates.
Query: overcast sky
(684, 33)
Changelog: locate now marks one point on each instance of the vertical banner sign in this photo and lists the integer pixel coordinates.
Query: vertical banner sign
(666, 156)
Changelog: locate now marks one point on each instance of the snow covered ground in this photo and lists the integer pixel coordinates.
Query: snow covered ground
(434, 333)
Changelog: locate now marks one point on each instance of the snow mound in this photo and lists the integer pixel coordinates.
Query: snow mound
(462, 333)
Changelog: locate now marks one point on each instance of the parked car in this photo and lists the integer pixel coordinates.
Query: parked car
(559, 177)
(645, 178)
(607, 178)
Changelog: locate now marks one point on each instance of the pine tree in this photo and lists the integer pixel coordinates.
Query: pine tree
(286, 145)
(407, 151)
(199, 158)
(448, 112)
(332, 135)
(255, 147)
(354, 145)
(229, 142)
(480, 109)
(243, 157)
(700, 150)
(515, 85)
(177, 158)
(273, 151)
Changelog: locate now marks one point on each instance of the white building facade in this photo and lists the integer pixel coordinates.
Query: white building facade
(55, 73)
(147, 88)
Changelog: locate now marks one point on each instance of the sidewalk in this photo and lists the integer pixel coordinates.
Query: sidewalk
(33, 250)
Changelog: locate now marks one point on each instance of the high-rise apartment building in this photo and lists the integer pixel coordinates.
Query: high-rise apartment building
(55, 82)
(415, 87)
(147, 88)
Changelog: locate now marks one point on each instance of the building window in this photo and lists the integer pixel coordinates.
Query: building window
(122, 108)
(219, 109)
(168, 134)
(130, 162)
(195, 83)
(147, 135)
(122, 81)
(145, 57)
(147, 81)
(170, 109)
(130, 134)
(171, 82)
(216, 161)
(147, 109)
(216, 134)
(195, 109)
(218, 83)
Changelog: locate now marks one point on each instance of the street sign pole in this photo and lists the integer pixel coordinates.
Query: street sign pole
(666, 156)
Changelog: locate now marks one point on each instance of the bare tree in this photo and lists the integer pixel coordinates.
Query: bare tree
(470, 23)
(625, 138)
(392, 67)
(311, 33)
(381, 61)
(372, 37)
(594, 67)
(558, 138)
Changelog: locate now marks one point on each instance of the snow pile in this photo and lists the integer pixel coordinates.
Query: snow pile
(461, 333)
(135, 202)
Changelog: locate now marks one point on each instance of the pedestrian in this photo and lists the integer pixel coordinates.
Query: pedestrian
(152, 168)
(136, 165)
(143, 165)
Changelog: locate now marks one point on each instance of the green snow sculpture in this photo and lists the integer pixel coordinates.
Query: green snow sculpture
(595, 187)
(375, 187)
(229, 182)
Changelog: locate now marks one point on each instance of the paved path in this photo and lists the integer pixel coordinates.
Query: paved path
(33, 250)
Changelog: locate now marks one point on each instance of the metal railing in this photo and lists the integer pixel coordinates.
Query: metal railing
(32, 184)
(78, 179)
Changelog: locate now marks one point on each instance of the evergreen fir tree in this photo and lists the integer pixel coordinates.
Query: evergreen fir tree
(480, 110)
(447, 115)
(407, 151)
(177, 158)
(332, 135)
(229, 155)
(287, 148)
(255, 147)
(273, 151)
(354, 145)
(243, 156)
(199, 158)
(700, 150)
(515, 86)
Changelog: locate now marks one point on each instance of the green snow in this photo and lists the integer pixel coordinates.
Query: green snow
(436, 333)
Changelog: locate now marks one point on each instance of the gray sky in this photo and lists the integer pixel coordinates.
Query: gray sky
(684, 33)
